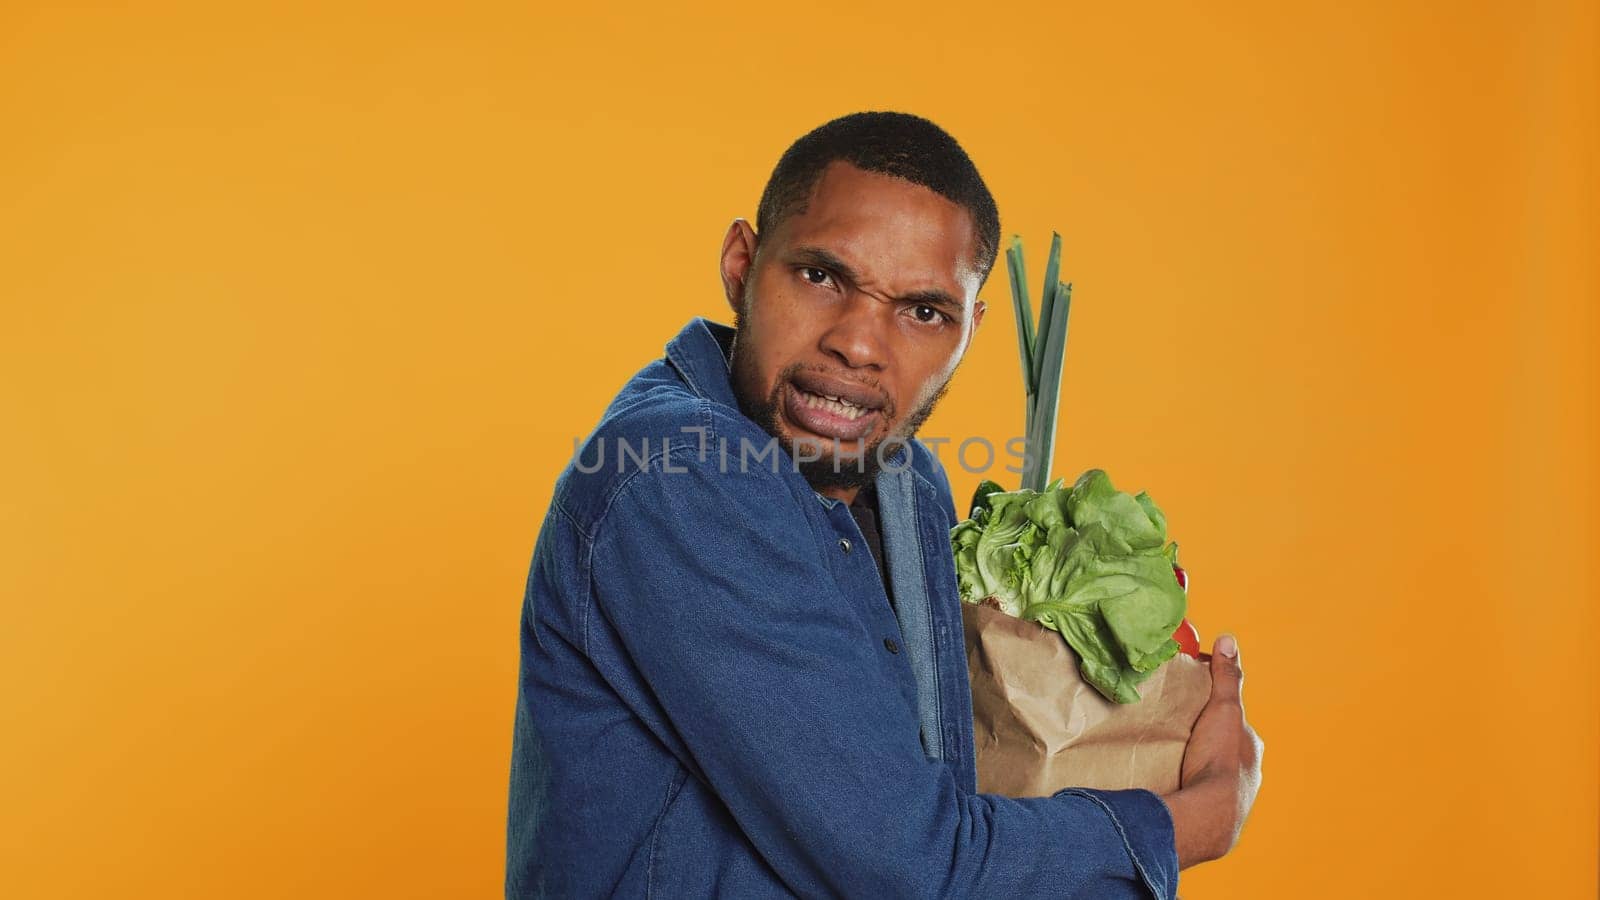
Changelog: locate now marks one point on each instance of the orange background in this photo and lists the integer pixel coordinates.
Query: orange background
(304, 306)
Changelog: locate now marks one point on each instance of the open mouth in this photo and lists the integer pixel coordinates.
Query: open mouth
(836, 405)
(828, 415)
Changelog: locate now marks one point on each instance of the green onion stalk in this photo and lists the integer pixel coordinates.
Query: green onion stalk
(1088, 561)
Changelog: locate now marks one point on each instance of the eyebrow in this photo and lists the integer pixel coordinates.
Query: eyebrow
(828, 260)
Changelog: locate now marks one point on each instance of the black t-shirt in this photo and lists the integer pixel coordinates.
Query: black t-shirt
(865, 510)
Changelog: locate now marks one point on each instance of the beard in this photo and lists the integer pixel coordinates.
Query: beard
(828, 469)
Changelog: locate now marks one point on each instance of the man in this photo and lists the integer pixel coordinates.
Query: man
(742, 663)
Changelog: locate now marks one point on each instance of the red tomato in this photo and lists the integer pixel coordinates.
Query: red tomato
(1187, 637)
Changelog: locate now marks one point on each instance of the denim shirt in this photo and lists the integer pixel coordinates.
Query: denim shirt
(716, 698)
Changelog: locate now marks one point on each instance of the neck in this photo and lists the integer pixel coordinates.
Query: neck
(846, 494)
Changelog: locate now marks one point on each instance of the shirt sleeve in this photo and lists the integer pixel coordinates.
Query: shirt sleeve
(788, 709)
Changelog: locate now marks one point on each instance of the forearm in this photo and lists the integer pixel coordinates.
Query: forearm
(1078, 845)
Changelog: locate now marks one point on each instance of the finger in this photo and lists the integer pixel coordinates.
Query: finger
(1227, 676)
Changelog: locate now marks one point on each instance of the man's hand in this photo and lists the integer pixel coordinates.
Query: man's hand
(1221, 767)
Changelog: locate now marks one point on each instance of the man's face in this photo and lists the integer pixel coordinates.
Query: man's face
(868, 297)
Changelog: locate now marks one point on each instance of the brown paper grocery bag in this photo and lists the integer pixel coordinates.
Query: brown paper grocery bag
(1039, 727)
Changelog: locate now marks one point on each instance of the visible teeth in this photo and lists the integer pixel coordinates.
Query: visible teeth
(834, 405)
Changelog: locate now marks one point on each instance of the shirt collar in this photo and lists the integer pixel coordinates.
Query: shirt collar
(702, 352)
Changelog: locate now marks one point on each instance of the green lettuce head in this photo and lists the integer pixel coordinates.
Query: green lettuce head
(1090, 562)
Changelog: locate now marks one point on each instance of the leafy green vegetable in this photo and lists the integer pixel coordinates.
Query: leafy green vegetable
(1041, 353)
(1090, 562)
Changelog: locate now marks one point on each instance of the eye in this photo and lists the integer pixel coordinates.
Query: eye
(928, 315)
(814, 275)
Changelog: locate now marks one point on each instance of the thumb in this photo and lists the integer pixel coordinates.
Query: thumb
(1227, 677)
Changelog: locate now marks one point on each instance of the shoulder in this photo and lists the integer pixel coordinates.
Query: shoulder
(671, 441)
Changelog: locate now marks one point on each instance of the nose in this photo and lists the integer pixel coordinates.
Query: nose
(856, 338)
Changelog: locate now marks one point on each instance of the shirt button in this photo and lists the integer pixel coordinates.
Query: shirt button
(844, 544)
(890, 645)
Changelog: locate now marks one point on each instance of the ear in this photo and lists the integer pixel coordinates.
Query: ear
(738, 260)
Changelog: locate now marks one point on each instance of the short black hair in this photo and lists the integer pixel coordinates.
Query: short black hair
(892, 143)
